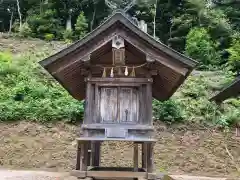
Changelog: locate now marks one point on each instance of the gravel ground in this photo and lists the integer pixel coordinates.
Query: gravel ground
(33, 175)
(33, 146)
(42, 175)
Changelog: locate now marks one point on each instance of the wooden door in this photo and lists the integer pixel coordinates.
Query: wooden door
(108, 105)
(128, 105)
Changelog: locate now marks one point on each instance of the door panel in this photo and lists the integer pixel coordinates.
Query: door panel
(108, 105)
(128, 105)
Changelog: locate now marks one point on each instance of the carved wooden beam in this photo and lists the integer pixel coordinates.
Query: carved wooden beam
(118, 50)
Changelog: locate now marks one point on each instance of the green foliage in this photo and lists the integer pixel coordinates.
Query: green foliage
(68, 35)
(167, 111)
(81, 26)
(229, 118)
(49, 37)
(25, 30)
(200, 47)
(26, 94)
(234, 50)
(195, 88)
(45, 23)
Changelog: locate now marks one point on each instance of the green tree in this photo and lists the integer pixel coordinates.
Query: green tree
(45, 23)
(200, 47)
(232, 10)
(81, 26)
(234, 50)
(198, 13)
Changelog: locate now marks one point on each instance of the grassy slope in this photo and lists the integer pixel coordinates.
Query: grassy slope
(182, 149)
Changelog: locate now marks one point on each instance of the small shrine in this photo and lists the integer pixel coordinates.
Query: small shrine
(118, 69)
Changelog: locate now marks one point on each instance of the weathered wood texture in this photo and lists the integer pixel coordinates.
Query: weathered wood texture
(233, 90)
(83, 159)
(120, 102)
(67, 66)
(135, 157)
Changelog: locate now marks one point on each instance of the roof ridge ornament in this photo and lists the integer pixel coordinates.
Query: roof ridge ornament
(115, 5)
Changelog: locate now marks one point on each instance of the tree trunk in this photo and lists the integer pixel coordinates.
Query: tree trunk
(93, 17)
(10, 23)
(19, 14)
(69, 23)
(154, 20)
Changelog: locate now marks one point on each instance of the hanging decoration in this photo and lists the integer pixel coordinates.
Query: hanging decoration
(133, 74)
(104, 73)
(118, 69)
(126, 71)
(118, 60)
(111, 74)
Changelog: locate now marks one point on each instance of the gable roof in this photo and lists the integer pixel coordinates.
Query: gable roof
(64, 69)
(233, 90)
(121, 17)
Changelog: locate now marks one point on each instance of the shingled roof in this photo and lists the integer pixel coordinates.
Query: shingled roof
(65, 66)
(233, 90)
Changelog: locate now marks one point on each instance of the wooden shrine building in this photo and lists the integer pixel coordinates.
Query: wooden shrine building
(231, 91)
(117, 69)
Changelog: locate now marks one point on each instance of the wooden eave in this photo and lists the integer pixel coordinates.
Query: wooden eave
(119, 16)
(233, 90)
(65, 65)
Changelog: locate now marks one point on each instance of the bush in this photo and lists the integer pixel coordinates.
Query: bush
(195, 87)
(199, 46)
(167, 111)
(68, 35)
(230, 118)
(27, 94)
(49, 37)
(25, 30)
(234, 50)
(81, 26)
(46, 22)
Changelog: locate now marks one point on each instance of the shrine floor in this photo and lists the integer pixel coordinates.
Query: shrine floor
(180, 150)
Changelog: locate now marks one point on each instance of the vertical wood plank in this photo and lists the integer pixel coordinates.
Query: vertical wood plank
(96, 153)
(135, 157)
(144, 155)
(84, 156)
(150, 157)
(97, 106)
(78, 156)
(88, 101)
(149, 103)
(108, 104)
(144, 104)
(89, 153)
(125, 103)
(129, 104)
(141, 109)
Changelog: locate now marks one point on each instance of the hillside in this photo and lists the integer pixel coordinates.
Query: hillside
(195, 142)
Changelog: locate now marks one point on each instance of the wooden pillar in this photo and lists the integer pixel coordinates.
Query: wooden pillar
(96, 146)
(144, 155)
(84, 156)
(150, 157)
(135, 157)
(89, 145)
(78, 155)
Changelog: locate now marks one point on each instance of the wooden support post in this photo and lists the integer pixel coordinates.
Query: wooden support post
(78, 155)
(89, 153)
(96, 153)
(135, 157)
(149, 157)
(84, 156)
(144, 155)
